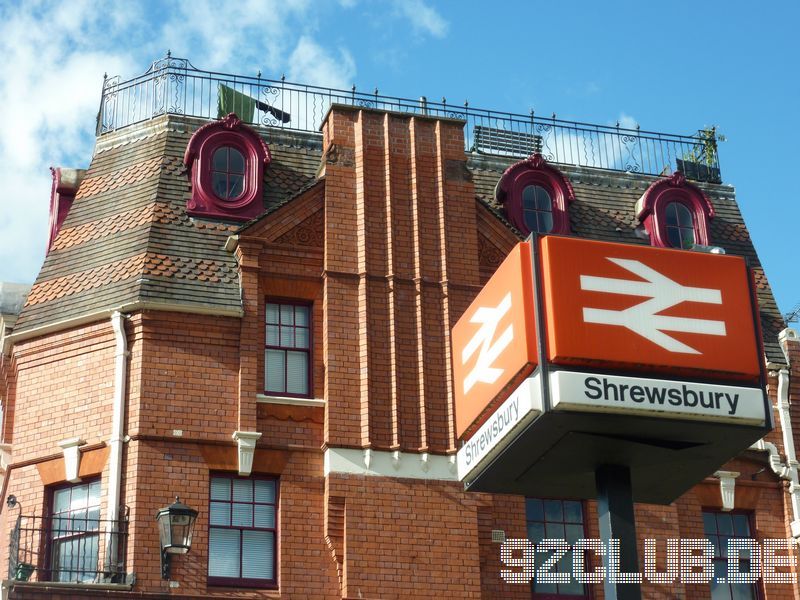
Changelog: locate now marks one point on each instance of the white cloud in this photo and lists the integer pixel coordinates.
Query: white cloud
(423, 18)
(310, 63)
(626, 121)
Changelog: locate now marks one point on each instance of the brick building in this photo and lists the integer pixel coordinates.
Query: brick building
(247, 303)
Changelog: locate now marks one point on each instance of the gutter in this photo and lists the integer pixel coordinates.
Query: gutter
(100, 315)
(115, 442)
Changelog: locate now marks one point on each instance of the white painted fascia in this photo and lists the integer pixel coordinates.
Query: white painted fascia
(106, 313)
(381, 463)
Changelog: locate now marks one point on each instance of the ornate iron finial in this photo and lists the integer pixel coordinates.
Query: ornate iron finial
(353, 89)
(376, 90)
(638, 127)
(444, 100)
(259, 74)
(169, 53)
(283, 77)
(617, 124)
(466, 104)
(554, 116)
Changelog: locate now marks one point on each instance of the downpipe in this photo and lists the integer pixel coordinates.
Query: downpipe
(116, 442)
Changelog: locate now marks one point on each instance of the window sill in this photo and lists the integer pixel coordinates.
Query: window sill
(265, 399)
(40, 586)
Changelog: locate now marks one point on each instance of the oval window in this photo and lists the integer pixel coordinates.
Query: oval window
(537, 209)
(680, 226)
(227, 173)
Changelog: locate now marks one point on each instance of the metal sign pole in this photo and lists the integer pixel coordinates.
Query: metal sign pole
(615, 514)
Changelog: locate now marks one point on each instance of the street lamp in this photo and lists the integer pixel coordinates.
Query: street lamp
(175, 525)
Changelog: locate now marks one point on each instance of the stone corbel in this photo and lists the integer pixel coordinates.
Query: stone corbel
(727, 486)
(5, 457)
(72, 458)
(246, 441)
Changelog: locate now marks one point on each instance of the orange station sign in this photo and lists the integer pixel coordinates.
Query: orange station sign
(612, 307)
(494, 341)
(637, 308)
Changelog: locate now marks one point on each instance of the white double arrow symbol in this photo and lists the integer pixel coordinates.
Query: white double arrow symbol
(642, 318)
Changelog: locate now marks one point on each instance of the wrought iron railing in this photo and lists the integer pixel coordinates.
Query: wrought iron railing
(174, 86)
(68, 549)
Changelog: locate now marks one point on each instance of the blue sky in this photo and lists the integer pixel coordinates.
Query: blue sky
(672, 67)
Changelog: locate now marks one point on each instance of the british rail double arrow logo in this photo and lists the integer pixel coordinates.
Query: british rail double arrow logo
(644, 318)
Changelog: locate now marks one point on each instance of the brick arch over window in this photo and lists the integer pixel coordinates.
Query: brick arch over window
(243, 204)
(652, 207)
(534, 172)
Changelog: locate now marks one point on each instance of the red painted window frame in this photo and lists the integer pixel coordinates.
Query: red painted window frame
(266, 584)
(652, 209)
(47, 542)
(309, 351)
(535, 171)
(198, 158)
(586, 587)
(751, 526)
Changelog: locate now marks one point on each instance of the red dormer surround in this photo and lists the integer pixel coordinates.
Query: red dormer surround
(652, 207)
(62, 194)
(535, 170)
(227, 132)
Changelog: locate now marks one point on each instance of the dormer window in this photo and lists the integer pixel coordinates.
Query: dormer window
(536, 196)
(226, 161)
(675, 213)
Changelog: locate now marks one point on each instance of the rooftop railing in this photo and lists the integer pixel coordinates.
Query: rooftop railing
(174, 86)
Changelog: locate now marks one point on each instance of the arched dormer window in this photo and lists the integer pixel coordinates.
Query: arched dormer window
(675, 213)
(536, 196)
(226, 161)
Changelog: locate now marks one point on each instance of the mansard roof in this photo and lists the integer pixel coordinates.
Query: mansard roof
(128, 243)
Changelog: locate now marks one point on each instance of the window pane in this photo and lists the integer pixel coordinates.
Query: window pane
(242, 490)
(534, 509)
(287, 337)
(242, 515)
(672, 214)
(236, 164)
(552, 510)
(684, 216)
(287, 314)
(301, 337)
(258, 548)
(235, 186)
(296, 373)
(272, 335)
(709, 523)
(272, 313)
(743, 591)
(220, 159)
(554, 531)
(275, 370)
(301, 315)
(220, 488)
(529, 197)
(674, 237)
(573, 533)
(725, 524)
(572, 512)
(61, 500)
(223, 553)
(94, 493)
(219, 183)
(545, 222)
(543, 201)
(687, 238)
(536, 532)
(265, 491)
(220, 513)
(741, 527)
(265, 516)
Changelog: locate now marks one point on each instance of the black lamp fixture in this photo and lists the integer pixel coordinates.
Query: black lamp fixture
(175, 525)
